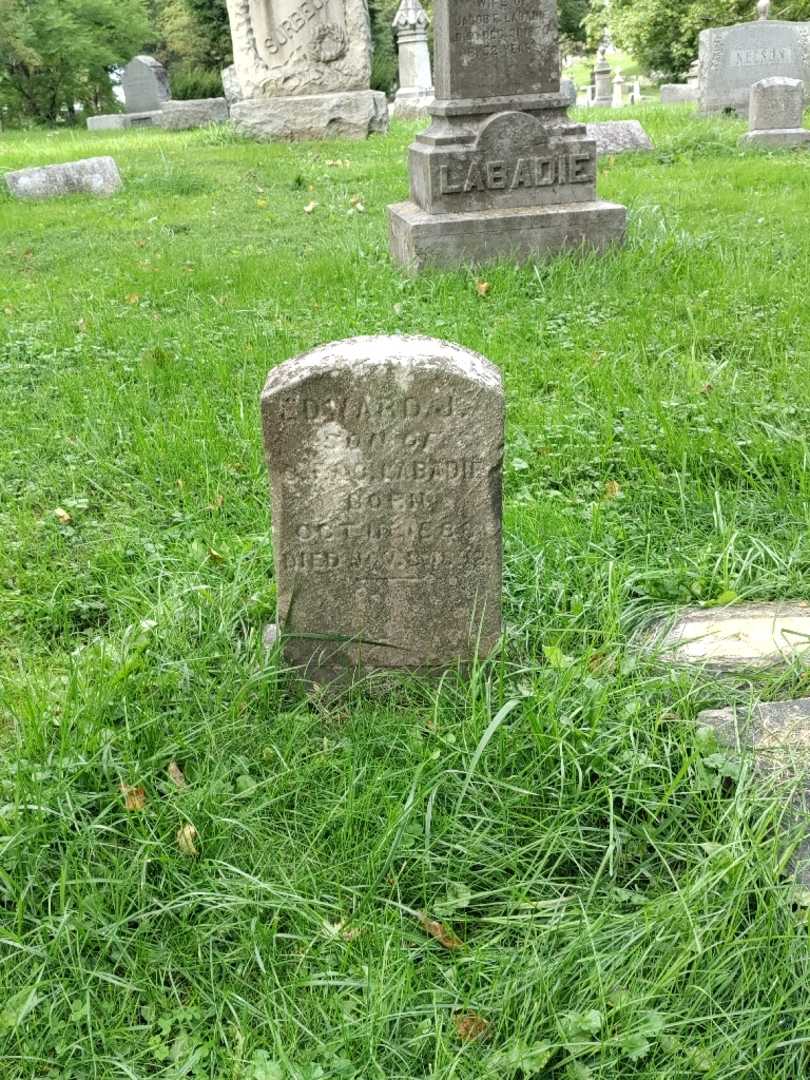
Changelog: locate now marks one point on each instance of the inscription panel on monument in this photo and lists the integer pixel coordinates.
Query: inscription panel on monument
(385, 461)
(496, 48)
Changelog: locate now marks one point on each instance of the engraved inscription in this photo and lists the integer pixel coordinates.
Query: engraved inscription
(501, 27)
(289, 28)
(760, 57)
(526, 172)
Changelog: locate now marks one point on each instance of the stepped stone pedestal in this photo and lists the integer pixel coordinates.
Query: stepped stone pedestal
(502, 172)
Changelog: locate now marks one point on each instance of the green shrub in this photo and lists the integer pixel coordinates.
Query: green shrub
(194, 81)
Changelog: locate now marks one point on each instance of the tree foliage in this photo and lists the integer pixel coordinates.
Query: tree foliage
(662, 35)
(55, 54)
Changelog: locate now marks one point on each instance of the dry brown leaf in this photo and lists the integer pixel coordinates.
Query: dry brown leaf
(215, 555)
(470, 1026)
(440, 932)
(612, 490)
(185, 840)
(134, 797)
(310, 207)
(62, 516)
(482, 288)
(176, 775)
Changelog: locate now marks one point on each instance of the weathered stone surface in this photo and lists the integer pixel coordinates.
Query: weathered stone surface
(678, 93)
(145, 83)
(321, 116)
(602, 82)
(92, 176)
(619, 137)
(195, 113)
(415, 92)
(778, 733)
(496, 48)
(775, 104)
(385, 458)
(501, 152)
(122, 121)
(746, 637)
(733, 58)
(230, 84)
(286, 48)
(790, 138)
(419, 239)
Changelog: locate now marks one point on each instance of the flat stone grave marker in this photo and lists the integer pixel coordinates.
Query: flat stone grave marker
(778, 735)
(91, 176)
(619, 137)
(745, 637)
(385, 458)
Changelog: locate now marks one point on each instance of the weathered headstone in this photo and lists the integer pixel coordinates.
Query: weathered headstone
(501, 172)
(738, 639)
(385, 458)
(778, 734)
(678, 93)
(415, 91)
(619, 137)
(145, 83)
(304, 68)
(617, 100)
(193, 113)
(776, 114)
(602, 81)
(92, 176)
(733, 58)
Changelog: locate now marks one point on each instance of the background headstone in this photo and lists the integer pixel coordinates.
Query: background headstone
(385, 458)
(617, 100)
(501, 172)
(92, 176)
(602, 81)
(678, 93)
(145, 83)
(733, 58)
(619, 137)
(415, 91)
(776, 113)
(307, 56)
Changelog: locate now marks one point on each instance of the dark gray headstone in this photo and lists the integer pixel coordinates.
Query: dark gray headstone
(385, 457)
(145, 83)
(502, 172)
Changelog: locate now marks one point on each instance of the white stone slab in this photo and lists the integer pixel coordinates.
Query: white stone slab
(739, 638)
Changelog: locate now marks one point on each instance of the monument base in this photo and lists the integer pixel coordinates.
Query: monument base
(777, 138)
(420, 240)
(194, 113)
(350, 114)
(411, 105)
(121, 121)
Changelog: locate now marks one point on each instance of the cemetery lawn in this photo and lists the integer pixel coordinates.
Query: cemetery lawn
(203, 874)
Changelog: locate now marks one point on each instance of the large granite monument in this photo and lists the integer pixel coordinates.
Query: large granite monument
(501, 172)
(385, 458)
(303, 68)
(733, 58)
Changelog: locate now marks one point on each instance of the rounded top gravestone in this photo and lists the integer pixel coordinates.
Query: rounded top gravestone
(385, 458)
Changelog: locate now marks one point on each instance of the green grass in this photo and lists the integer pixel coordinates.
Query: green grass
(616, 882)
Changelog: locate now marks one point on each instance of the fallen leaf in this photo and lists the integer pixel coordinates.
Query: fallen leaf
(185, 840)
(176, 775)
(217, 503)
(262, 204)
(215, 555)
(81, 326)
(612, 490)
(470, 1026)
(310, 207)
(440, 932)
(134, 797)
(8, 311)
(482, 288)
(62, 516)
(341, 930)
(133, 298)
